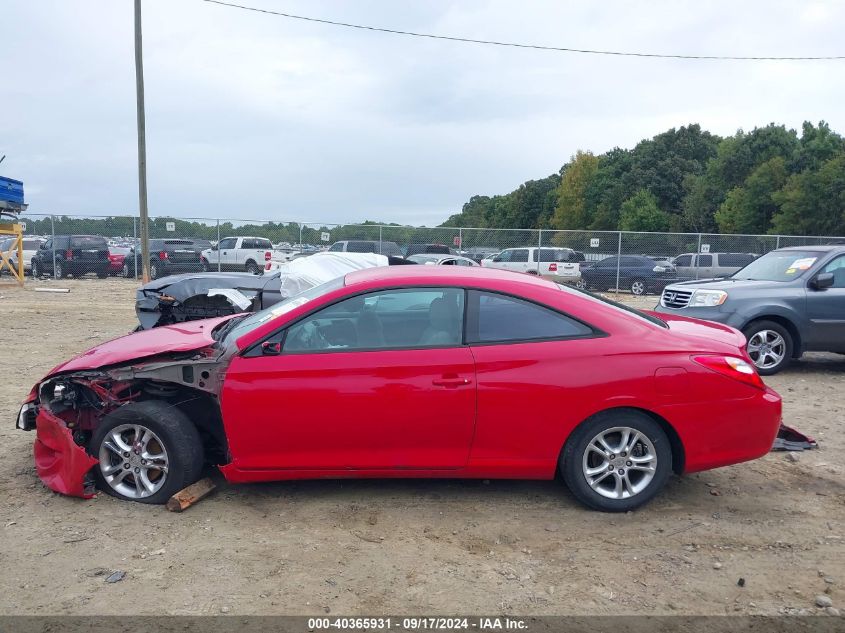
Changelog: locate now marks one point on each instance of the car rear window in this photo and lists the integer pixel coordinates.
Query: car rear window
(31, 245)
(88, 243)
(619, 306)
(735, 259)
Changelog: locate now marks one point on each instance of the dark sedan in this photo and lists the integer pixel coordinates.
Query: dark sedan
(637, 273)
(168, 257)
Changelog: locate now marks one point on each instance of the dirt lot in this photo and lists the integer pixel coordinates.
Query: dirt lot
(373, 547)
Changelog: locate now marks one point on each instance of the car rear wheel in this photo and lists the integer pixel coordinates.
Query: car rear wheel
(126, 272)
(252, 267)
(581, 284)
(205, 267)
(36, 269)
(638, 287)
(769, 346)
(61, 273)
(154, 270)
(616, 461)
(147, 452)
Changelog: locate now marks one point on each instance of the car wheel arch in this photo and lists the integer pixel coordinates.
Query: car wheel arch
(785, 322)
(675, 443)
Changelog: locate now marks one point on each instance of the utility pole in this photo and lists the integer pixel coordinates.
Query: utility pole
(142, 148)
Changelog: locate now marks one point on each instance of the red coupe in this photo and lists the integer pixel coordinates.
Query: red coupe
(410, 371)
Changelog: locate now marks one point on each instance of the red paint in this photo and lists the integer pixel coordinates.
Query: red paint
(116, 263)
(60, 462)
(183, 337)
(473, 411)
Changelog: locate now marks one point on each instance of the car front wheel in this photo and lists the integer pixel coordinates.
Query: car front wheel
(638, 287)
(616, 461)
(769, 346)
(36, 269)
(581, 284)
(61, 273)
(147, 452)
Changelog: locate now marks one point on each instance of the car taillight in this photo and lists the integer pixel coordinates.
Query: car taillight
(553, 267)
(162, 255)
(732, 367)
(267, 256)
(68, 254)
(267, 266)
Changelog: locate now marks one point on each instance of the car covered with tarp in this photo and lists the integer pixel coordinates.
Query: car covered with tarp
(205, 295)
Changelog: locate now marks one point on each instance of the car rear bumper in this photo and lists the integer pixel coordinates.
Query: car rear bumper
(727, 432)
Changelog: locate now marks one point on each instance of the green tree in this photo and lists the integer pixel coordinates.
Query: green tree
(749, 209)
(641, 213)
(572, 210)
(813, 202)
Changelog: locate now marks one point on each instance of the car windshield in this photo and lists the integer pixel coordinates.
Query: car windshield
(614, 304)
(778, 266)
(237, 327)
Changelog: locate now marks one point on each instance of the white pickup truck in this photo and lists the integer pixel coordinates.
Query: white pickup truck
(238, 253)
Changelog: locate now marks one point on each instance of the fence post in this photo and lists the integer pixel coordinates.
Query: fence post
(53, 242)
(218, 245)
(697, 253)
(300, 237)
(777, 242)
(618, 261)
(135, 245)
(539, 248)
(461, 248)
(379, 241)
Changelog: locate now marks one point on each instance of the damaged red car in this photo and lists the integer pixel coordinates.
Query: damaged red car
(408, 372)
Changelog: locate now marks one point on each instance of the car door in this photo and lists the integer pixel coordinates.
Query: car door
(375, 381)
(683, 266)
(704, 266)
(603, 273)
(826, 310)
(45, 256)
(226, 253)
(530, 361)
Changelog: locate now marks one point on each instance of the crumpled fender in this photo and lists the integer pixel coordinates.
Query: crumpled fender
(61, 463)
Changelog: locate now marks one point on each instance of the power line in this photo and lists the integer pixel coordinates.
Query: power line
(559, 49)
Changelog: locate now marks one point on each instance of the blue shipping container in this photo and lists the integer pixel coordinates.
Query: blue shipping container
(11, 190)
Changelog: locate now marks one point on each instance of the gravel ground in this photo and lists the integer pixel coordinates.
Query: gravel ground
(766, 537)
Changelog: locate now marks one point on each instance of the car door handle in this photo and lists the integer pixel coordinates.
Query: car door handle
(450, 382)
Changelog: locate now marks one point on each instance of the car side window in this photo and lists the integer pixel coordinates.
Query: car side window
(496, 318)
(705, 260)
(837, 267)
(683, 260)
(504, 256)
(229, 242)
(337, 246)
(608, 262)
(48, 245)
(632, 261)
(415, 318)
(519, 255)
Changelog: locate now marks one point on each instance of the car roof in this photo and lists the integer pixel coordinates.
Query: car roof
(823, 248)
(439, 275)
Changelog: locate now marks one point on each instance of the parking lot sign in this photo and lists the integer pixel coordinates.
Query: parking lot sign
(170, 226)
(705, 248)
(325, 236)
(594, 242)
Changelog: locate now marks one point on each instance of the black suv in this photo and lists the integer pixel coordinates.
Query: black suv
(428, 249)
(169, 257)
(75, 255)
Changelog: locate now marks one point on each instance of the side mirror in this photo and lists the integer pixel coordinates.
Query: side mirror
(822, 281)
(271, 348)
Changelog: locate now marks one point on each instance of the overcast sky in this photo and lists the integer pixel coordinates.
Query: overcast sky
(255, 116)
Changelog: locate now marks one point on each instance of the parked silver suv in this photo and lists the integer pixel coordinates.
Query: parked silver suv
(787, 302)
(709, 265)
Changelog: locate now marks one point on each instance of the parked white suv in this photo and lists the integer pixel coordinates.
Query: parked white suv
(709, 265)
(238, 253)
(558, 262)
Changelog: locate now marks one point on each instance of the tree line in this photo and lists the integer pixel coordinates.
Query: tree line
(771, 180)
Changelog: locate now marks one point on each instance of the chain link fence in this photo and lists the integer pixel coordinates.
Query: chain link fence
(603, 260)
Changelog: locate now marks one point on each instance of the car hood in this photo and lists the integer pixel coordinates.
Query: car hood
(728, 283)
(192, 281)
(696, 329)
(184, 337)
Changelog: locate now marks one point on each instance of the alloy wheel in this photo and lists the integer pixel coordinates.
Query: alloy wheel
(766, 348)
(638, 288)
(133, 461)
(619, 462)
